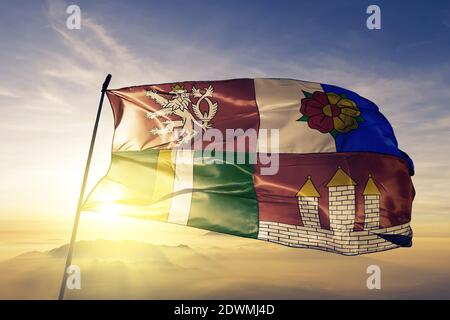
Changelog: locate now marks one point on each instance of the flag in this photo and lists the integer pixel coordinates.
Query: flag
(297, 163)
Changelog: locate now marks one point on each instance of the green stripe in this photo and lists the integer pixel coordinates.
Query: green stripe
(224, 198)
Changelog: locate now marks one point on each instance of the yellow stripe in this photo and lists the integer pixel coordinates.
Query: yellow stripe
(165, 176)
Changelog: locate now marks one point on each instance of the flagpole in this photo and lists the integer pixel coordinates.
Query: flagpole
(83, 187)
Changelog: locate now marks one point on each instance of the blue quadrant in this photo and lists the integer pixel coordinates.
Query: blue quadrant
(374, 134)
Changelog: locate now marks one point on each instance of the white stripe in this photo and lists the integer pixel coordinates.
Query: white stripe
(279, 103)
(184, 181)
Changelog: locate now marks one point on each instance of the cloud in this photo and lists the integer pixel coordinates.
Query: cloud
(150, 271)
(8, 93)
(439, 123)
(88, 54)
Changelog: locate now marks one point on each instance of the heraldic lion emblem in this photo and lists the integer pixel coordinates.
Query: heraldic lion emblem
(189, 124)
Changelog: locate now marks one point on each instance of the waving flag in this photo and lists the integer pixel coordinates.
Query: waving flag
(297, 163)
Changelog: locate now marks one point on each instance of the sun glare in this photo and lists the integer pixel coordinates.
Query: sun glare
(109, 211)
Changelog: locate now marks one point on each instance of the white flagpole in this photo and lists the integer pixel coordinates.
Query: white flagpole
(83, 187)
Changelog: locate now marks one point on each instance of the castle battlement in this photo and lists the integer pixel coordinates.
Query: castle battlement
(341, 236)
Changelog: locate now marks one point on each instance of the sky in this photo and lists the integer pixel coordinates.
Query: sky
(50, 79)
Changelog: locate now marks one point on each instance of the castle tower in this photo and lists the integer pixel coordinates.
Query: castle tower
(308, 203)
(371, 205)
(341, 199)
